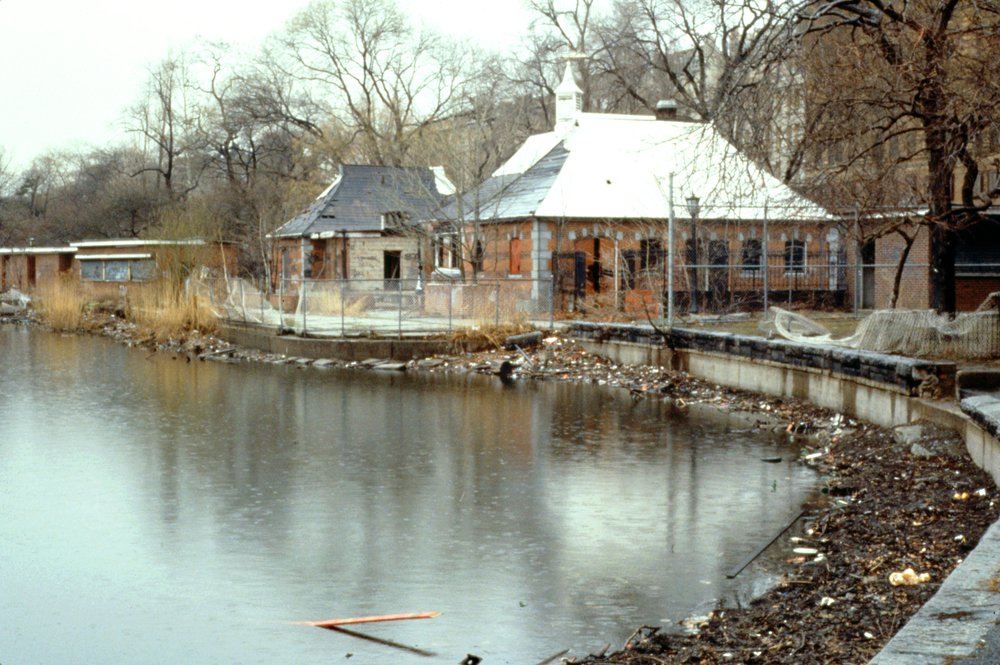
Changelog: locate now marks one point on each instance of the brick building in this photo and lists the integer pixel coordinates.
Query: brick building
(977, 267)
(591, 202)
(104, 267)
(28, 268)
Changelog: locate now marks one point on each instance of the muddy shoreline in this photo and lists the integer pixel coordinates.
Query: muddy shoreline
(893, 500)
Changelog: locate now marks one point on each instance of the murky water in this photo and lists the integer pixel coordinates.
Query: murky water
(158, 511)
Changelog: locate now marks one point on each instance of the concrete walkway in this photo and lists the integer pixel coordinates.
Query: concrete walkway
(959, 625)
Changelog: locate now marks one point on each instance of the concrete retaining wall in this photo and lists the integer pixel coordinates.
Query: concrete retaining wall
(340, 349)
(982, 432)
(883, 389)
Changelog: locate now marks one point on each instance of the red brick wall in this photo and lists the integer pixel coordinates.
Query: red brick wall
(914, 286)
(971, 291)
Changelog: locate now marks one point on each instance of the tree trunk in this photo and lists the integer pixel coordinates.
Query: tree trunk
(941, 169)
(901, 265)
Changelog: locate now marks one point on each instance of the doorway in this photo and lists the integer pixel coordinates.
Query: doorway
(391, 268)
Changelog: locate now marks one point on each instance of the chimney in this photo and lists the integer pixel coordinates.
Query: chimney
(666, 109)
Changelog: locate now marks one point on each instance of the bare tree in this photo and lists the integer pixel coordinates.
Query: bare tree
(385, 80)
(162, 121)
(914, 79)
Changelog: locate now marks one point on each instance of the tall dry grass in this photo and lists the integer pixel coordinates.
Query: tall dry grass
(60, 304)
(168, 310)
(329, 301)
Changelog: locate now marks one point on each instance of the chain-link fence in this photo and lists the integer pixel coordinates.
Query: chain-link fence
(624, 291)
(641, 285)
(389, 307)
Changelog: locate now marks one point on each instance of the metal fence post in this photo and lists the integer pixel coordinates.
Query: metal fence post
(767, 261)
(451, 297)
(304, 303)
(399, 320)
(243, 303)
(343, 306)
(498, 303)
(281, 303)
(552, 302)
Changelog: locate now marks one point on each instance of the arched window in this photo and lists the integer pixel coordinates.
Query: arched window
(795, 257)
(751, 257)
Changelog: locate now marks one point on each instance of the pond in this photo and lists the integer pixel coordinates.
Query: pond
(155, 510)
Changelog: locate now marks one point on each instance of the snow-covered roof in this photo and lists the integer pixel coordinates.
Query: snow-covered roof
(606, 166)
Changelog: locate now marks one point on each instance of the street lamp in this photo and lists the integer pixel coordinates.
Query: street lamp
(694, 207)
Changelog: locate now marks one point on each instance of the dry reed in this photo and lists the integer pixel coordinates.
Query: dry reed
(168, 309)
(329, 301)
(59, 303)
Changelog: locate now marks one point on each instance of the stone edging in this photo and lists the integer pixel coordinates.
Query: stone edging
(908, 376)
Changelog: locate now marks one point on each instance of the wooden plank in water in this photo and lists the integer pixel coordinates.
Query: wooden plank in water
(376, 618)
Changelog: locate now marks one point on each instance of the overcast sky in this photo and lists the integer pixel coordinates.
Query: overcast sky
(69, 68)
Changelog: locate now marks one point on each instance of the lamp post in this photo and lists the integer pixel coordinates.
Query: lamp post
(694, 207)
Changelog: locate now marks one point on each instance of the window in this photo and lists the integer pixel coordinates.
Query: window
(718, 253)
(650, 253)
(286, 263)
(447, 252)
(143, 271)
(751, 257)
(92, 270)
(795, 257)
(117, 270)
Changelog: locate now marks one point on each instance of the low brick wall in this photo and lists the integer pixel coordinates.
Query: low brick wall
(881, 388)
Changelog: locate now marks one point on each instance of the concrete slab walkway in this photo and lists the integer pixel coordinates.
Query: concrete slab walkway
(959, 625)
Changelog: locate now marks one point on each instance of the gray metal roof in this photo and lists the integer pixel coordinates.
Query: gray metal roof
(515, 196)
(360, 197)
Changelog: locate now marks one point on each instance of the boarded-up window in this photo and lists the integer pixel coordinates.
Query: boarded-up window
(515, 256)
(92, 270)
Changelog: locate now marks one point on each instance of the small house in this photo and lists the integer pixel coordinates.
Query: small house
(364, 226)
(29, 268)
(105, 267)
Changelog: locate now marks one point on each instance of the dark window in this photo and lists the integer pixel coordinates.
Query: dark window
(751, 255)
(795, 256)
(718, 252)
(650, 253)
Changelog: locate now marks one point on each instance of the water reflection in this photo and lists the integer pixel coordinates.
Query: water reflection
(165, 511)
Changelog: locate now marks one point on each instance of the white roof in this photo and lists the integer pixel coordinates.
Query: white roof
(619, 166)
(36, 250)
(136, 242)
